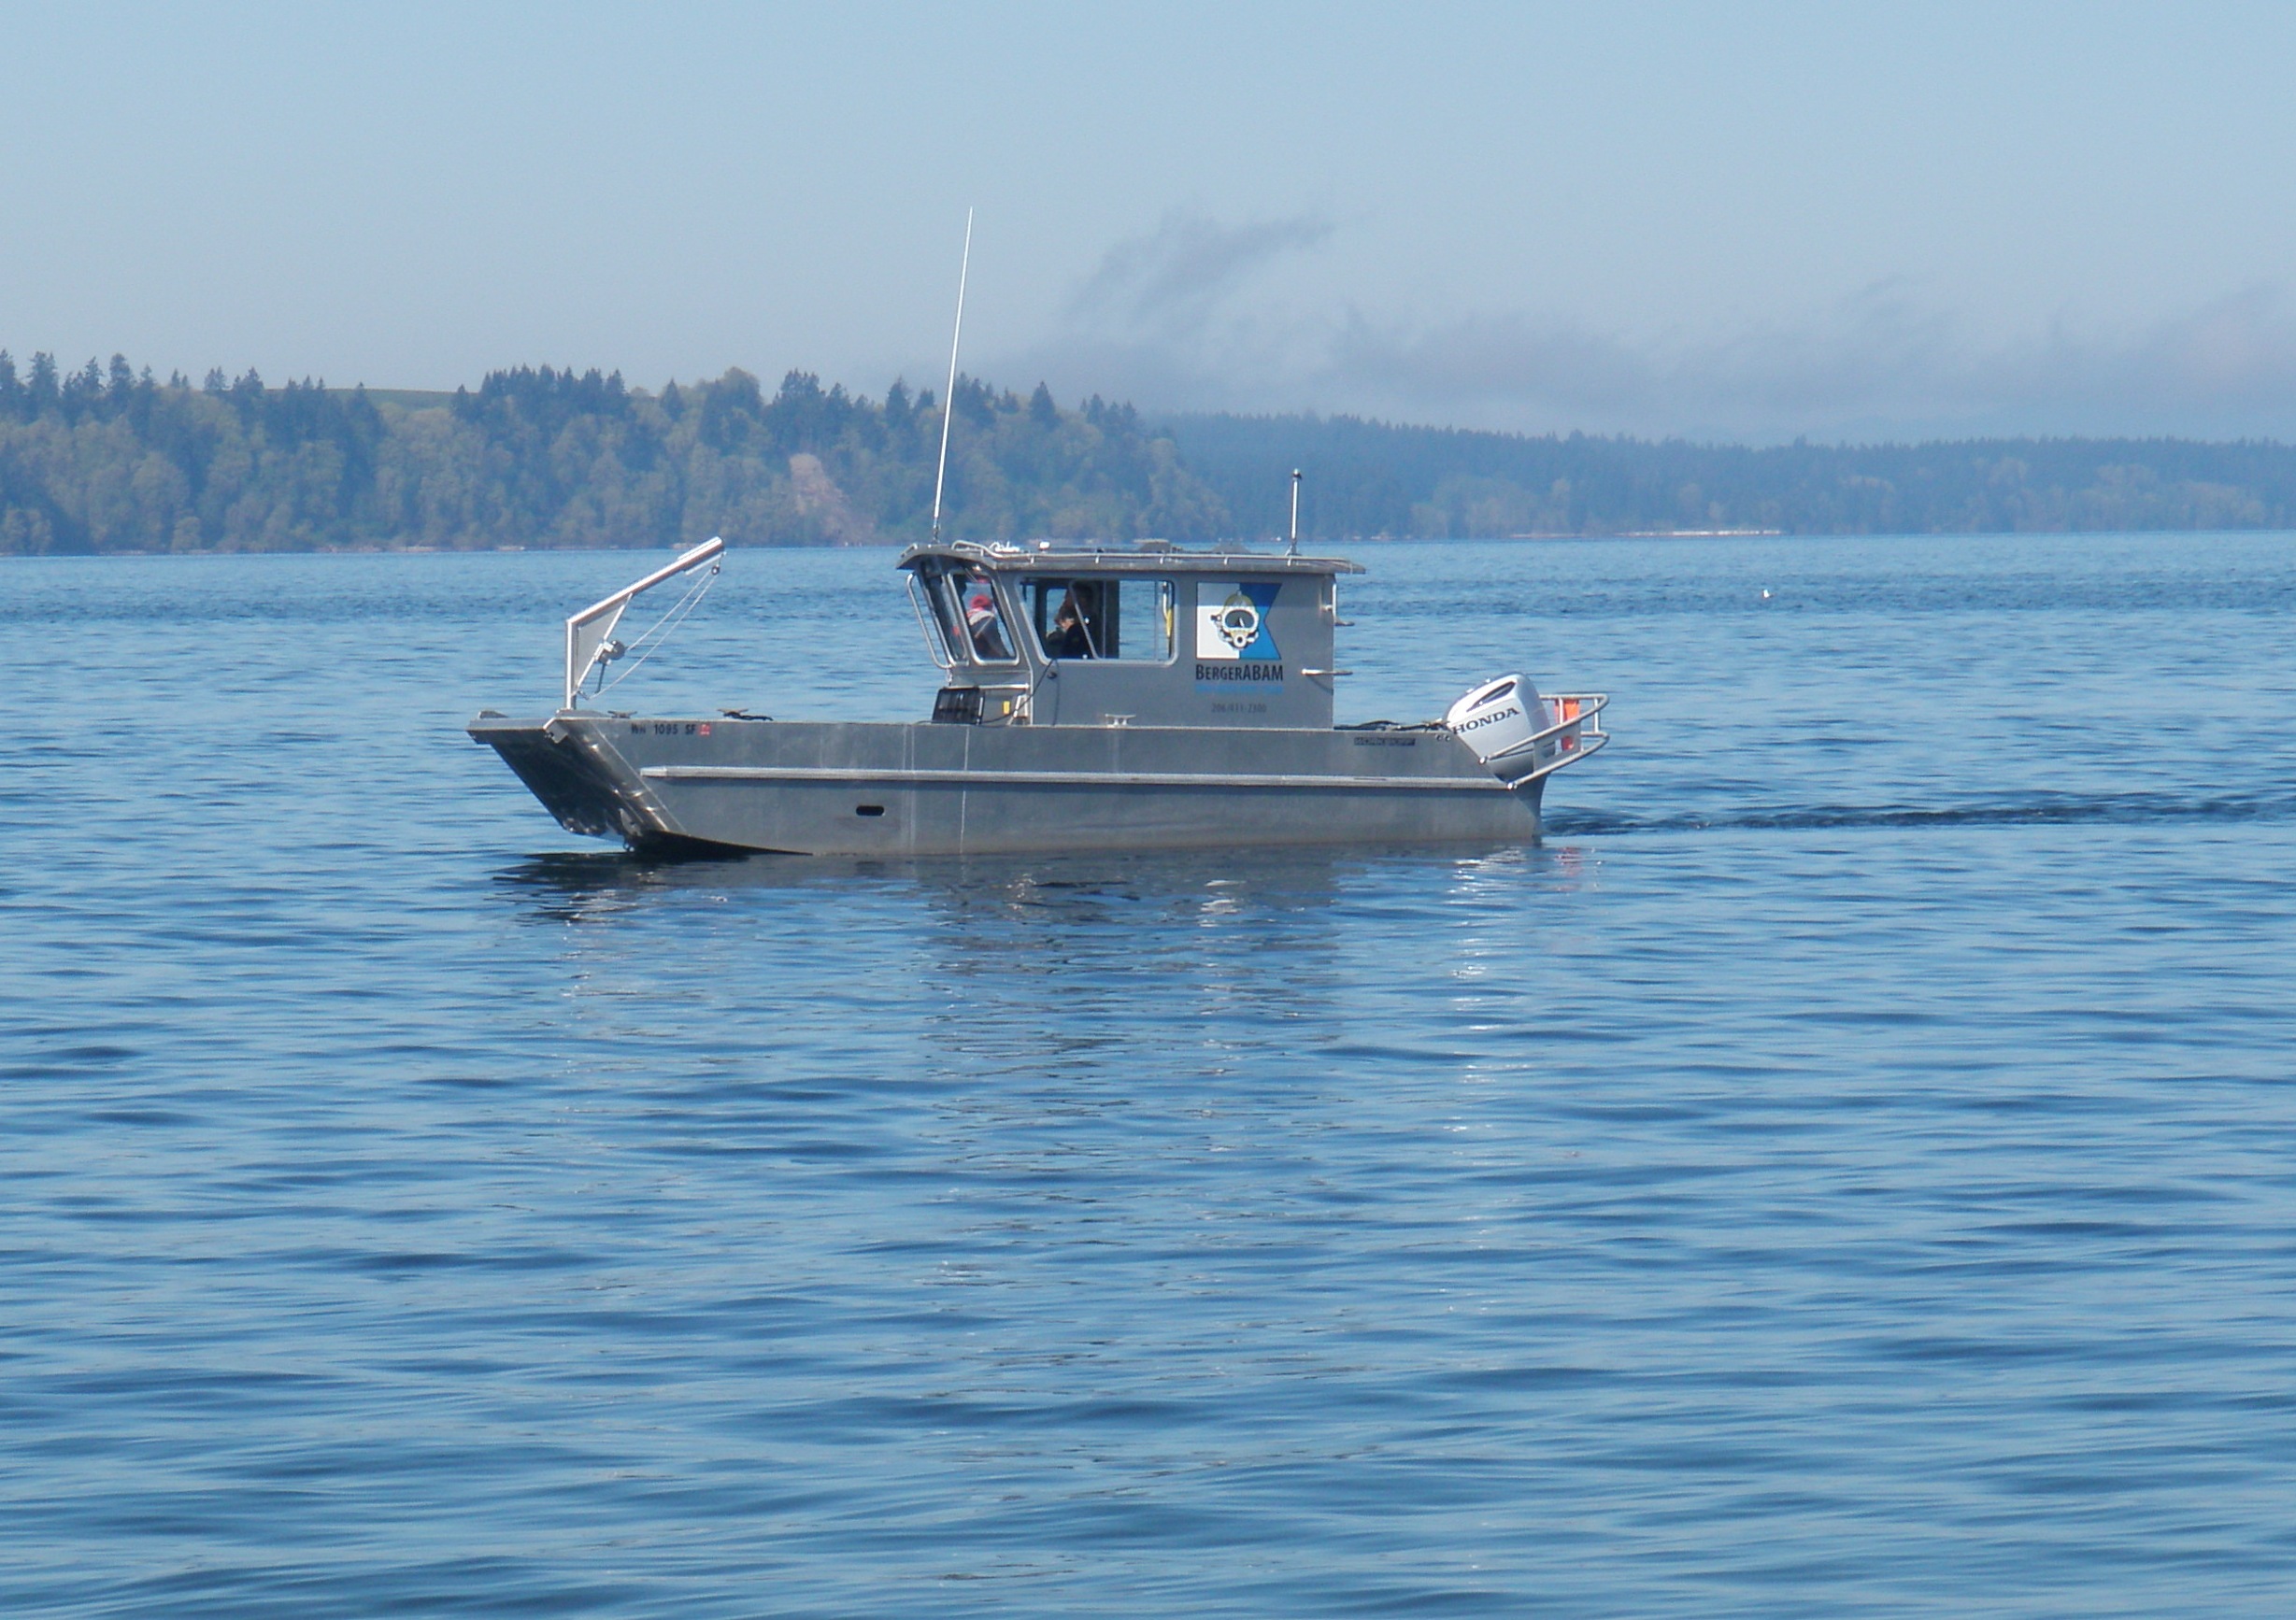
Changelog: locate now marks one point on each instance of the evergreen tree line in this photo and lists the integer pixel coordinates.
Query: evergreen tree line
(1366, 478)
(110, 460)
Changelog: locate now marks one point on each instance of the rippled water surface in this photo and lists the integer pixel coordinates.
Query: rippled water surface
(1850, 1167)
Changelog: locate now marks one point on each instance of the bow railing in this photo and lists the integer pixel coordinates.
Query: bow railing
(590, 633)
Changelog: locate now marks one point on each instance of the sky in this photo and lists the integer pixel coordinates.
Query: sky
(1745, 222)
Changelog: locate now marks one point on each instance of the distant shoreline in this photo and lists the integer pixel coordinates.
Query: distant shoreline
(110, 461)
(1259, 547)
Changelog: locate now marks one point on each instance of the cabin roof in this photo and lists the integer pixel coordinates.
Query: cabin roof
(1147, 557)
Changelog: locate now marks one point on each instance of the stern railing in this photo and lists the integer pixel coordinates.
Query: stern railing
(1577, 732)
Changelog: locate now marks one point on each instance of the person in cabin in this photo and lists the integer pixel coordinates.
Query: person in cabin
(1068, 637)
(982, 623)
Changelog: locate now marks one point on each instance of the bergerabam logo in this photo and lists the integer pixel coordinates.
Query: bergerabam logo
(1232, 625)
(1232, 642)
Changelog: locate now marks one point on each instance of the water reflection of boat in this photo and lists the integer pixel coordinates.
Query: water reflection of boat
(587, 886)
(1095, 698)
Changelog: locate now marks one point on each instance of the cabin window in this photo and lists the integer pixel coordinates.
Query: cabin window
(1104, 618)
(971, 617)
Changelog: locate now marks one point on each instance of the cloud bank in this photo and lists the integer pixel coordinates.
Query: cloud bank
(1195, 315)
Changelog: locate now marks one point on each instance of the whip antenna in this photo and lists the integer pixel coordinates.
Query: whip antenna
(948, 400)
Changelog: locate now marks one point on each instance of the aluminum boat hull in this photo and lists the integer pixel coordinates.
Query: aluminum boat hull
(925, 790)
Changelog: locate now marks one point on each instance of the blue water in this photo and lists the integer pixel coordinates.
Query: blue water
(1849, 1169)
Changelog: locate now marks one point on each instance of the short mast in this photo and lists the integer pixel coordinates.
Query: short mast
(1295, 514)
(948, 400)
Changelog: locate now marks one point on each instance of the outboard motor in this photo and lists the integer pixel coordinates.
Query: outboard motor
(1498, 720)
(1500, 715)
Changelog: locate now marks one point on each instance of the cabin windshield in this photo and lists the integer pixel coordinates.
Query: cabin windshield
(1102, 618)
(970, 619)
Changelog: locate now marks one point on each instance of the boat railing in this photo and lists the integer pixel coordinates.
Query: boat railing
(929, 622)
(590, 633)
(1577, 732)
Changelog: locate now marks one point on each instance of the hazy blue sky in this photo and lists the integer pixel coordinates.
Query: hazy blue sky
(1729, 220)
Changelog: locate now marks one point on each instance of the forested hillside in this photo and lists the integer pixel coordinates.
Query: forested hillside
(113, 460)
(1365, 478)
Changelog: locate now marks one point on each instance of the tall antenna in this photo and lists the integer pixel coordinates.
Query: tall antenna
(948, 400)
(1295, 514)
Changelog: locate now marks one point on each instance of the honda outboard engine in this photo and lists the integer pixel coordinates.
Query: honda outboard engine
(1498, 720)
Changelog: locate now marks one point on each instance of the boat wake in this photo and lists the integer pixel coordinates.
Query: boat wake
(2056, 809)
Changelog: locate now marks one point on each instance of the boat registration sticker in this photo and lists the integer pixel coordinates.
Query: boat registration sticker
(1231, 630)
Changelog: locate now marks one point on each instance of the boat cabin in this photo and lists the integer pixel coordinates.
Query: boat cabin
(1055, 633)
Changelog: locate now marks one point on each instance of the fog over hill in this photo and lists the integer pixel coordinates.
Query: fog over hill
(1374, 479)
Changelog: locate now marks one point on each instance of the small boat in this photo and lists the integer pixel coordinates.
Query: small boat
(1094, 697)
